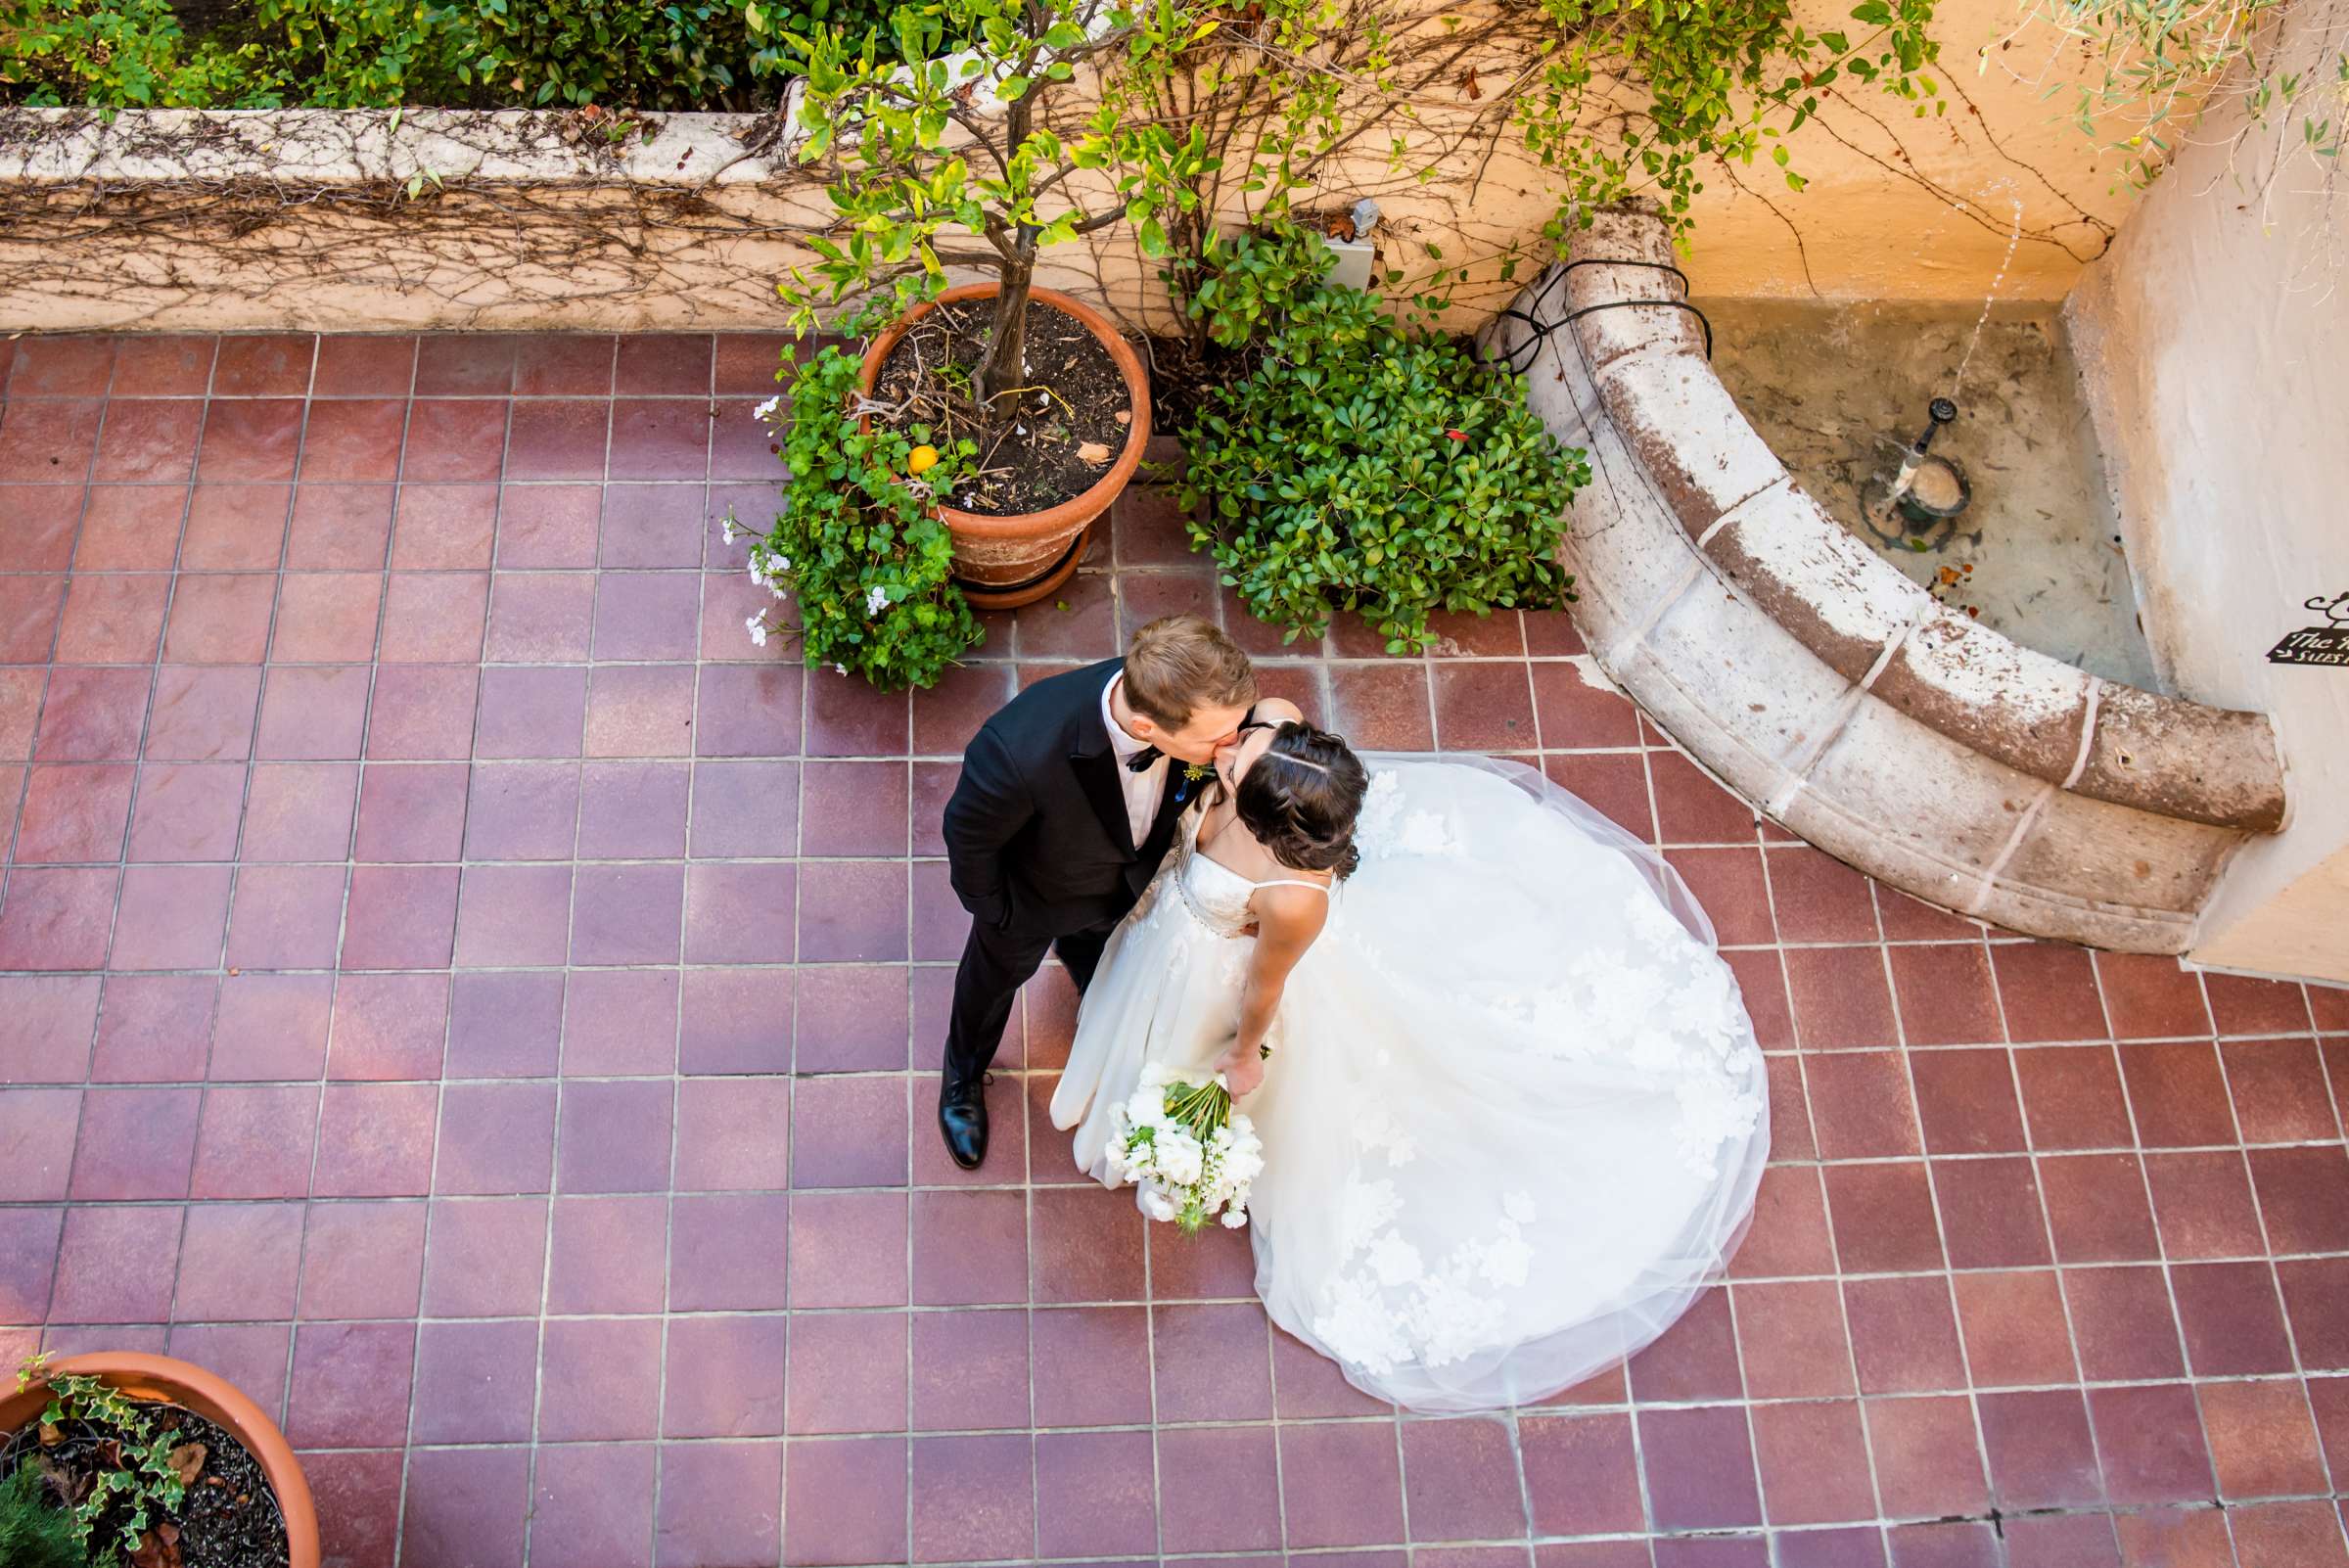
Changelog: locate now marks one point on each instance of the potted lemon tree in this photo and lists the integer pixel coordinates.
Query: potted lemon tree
(941, 156)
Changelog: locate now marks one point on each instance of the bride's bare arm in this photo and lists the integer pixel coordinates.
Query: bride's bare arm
(1288, 919)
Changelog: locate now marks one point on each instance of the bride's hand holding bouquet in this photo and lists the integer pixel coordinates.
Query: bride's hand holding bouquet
(1242, 1069)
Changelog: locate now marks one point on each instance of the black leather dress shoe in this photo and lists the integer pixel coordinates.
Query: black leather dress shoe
(962, 1119)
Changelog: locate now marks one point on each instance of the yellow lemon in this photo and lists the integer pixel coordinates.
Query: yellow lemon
(921, 460)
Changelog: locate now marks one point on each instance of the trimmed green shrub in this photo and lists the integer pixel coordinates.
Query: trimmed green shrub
(465, 54)
(123, 53)
(1358, 467)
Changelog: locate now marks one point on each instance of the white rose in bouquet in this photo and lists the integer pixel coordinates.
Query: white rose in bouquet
(1180, 1159)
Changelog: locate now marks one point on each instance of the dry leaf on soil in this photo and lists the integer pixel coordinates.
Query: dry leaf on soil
(187, 1462)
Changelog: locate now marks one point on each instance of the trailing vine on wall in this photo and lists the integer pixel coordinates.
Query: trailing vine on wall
(2163, 66)
(1611, 99)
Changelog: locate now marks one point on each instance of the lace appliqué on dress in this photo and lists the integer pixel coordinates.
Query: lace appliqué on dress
(1383, 830)
(1391, 1309)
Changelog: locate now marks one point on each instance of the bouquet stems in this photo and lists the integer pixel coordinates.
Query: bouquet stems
(1201, 1107)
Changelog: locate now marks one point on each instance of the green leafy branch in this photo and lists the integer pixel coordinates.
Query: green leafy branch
(941, 155)
(1636, 97)
(2161, 66)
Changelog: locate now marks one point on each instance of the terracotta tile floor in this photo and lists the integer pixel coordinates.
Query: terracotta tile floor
(459, 988)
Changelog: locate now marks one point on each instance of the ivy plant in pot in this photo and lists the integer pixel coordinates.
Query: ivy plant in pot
(942, 156)
(139, 1459)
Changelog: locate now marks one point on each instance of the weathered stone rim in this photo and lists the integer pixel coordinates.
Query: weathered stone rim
(1835, 696)
(1772, 542)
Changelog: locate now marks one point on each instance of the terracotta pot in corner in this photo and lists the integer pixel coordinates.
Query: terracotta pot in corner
(1004, 562)
(174, 1382)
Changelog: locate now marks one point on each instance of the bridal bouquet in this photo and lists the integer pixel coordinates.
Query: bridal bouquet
(1189, 1154)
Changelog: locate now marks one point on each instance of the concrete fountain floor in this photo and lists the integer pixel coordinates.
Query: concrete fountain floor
(1835, 389)
(459, 989)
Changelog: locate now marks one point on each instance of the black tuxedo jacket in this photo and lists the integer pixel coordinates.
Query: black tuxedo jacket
(1039, 843)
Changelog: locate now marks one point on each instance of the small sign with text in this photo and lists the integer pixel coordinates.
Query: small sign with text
(2318, 645)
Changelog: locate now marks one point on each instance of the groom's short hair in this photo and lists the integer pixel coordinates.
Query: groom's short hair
(1180, 663)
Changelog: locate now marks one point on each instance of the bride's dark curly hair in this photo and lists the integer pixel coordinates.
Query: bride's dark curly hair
(1300, 798)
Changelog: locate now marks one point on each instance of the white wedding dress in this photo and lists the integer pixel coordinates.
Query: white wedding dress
(1514, 1116)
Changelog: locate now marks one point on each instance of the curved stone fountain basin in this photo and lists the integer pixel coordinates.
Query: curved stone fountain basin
(1836, 695)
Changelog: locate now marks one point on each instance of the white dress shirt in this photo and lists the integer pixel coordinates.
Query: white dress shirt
(1142, 789)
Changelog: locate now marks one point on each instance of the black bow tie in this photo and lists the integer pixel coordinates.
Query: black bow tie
(1140, 762)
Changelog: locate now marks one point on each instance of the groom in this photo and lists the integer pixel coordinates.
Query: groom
(1067, 802)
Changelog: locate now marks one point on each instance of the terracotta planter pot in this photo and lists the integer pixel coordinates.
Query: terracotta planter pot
(1006, 561)
(160, 1377)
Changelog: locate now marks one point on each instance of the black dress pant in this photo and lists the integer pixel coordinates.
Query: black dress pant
(995, 964)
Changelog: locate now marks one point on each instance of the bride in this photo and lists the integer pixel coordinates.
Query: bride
(1512, 1110)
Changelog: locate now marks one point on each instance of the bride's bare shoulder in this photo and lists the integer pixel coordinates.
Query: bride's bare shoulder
(1291, 914)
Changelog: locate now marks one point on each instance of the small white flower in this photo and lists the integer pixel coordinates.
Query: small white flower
(843, 669)
(876, 600)
(729, 529)
(756, 626)
(766, 410)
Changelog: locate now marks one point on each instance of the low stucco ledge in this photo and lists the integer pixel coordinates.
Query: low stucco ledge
(1836, 695)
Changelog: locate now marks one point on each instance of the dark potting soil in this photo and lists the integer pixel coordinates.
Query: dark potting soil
(229, 1519)
(1181, 375)
(1050, 443)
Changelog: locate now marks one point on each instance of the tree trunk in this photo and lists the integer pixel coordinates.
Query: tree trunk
(1005, 365)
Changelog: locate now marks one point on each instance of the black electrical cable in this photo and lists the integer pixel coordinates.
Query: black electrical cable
(1542, 329)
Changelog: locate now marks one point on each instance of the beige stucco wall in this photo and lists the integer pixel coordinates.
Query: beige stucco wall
(304, 220)
(1923, 209)
(2217, 351)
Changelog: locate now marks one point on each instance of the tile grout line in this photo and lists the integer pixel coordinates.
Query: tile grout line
(1946, 1271)
(790, 1054)
(2160, 1259)
(554, 1143)
(659, 1441)
(237, 869)
(1868, 1445)
(2063, 1301)
(358, 801)
(791, 1096)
